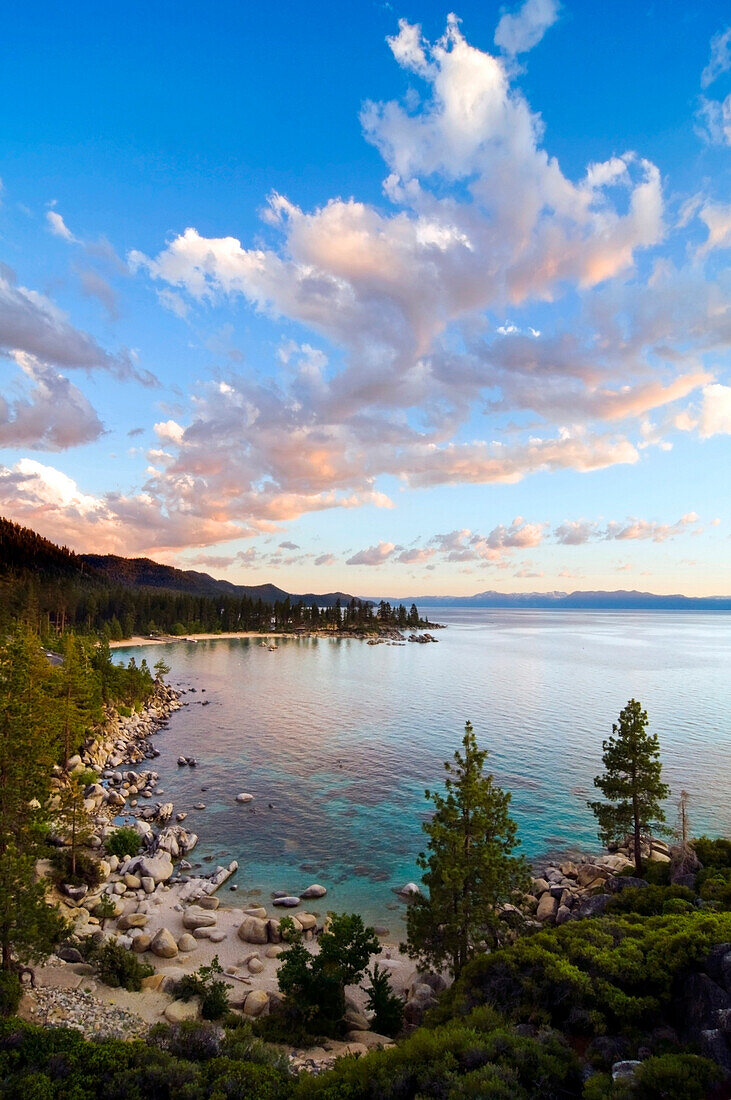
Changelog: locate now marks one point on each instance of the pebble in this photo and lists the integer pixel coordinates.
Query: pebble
(79, 1010)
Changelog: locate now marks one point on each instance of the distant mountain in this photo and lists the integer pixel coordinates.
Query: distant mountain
(590, 601)
(144, 573)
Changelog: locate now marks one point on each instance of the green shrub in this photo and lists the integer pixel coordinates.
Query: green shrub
(124, 841)
(10, 993)
(205, 984)
(119, 967)
(675, 1077)
(87, 871)
(650, 901)
(124, 711)
(387, 1008)
(713, 853)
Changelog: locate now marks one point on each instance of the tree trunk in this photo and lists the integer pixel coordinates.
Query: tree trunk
(638, 846)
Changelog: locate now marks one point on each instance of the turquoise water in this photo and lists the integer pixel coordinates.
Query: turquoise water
(341, 738)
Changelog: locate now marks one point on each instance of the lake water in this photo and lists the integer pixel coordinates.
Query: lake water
(341, 738)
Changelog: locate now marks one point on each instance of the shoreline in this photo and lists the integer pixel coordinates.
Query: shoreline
(388, 634)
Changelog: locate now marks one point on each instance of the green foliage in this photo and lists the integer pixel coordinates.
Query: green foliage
(713, 853)
(469, 869)
(10, 992)
(479, 1057)
(651, 901)
(78, 869)
(73, 821)
(664, 1077)
(124, 841)
(314, 986)
(206, 984)
(631, 782)
(29, 733)
(386, 1006)
(119, 967)
(610, 975)
(59, 1064)
(105, 908)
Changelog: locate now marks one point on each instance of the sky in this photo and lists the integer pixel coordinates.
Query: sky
(378, 297)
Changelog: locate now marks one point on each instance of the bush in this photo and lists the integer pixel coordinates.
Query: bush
(387, 1008)
(119, 967)
(212, 991)
(124, 841)
(675, 1077)
(713, 853)
(10, 993)
(650, 901)
(87, 871)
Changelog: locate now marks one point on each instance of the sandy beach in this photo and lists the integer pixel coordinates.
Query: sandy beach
(166, 639)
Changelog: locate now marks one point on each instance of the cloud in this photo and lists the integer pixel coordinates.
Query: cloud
(288, 545)
(717, 218)
(720, 59)
(325, 559)
(32, 323)
(58, 227)
(374, 555)
(415, 556)
(715, 414)
(212, 561)
(521, 32)
(94, 285)
(579, 532)
(714, 120)
(52, 415)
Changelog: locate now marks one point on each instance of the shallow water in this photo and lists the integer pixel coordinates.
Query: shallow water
(341, 738)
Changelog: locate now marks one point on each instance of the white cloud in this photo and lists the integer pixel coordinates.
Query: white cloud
(58, 227)
(714, 120)
(521, 32)
(715, 415)
(51, 414)
(720, 59)
(374, 555)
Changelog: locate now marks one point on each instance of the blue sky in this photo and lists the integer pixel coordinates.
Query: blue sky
(379, 298)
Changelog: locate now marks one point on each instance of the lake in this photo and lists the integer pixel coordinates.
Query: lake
(337, 739)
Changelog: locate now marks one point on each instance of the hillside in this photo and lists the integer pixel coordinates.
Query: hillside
(577, 601)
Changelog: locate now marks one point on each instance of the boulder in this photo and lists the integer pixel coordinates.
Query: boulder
(314, 891)
(198, 918)
(369, 1039)
(255, 965)
(589, 876)
(132, 920)
(253, 930)
(178, 1011)
(153, 982)
(209, 903)
(187, 942)
(244, 797)
(624, 1071)
(256, 911)
(147, 883)
(563, 914)
(410, 890)
(132, 882)
(158, 867)
(164, 945)
(547, 909)
(256, 1003)
(141, 941)
(273, 931)
(217, 935)
(274, 951)
(307, 921)
(540, 886)
(592, 907)
(289, 902)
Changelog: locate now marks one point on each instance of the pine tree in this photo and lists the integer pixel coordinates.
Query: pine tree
(73, 819)
(28, 748)
(469, 869)
(631, 782)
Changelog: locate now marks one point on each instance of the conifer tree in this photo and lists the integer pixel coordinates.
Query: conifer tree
(469, 868)
(631, 782)
(73, 819)
(28, 747)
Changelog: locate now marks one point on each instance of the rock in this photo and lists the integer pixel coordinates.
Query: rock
(148, 884)
(547, 909)
(76, 893)
(715, 1045)
(616, 884)
(307, 921)
(592, 907)
(244, 797)
(255, 966)
(589, 875)
(253, 930)
(132, 920)
(356, 1021)
(198, 918)
(659, 857)
(178, 1011)
(274, 951)
(698, 1004)
(624, 1071)
(158, 867)
(132, 882)
(314, 891)
(718, 965)
(187, 942)
(273, 931)
(569, 869)
(209, 903)
(288, 901)
(164, 945)
(256, 1003)
(153, 982)
(410, 890)
(540, 886)
(217, 936)
(256, 911)
(563, 914)
(141, 942)
(369, 1039)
